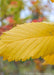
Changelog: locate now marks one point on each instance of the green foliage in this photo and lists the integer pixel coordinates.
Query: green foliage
(12, 8)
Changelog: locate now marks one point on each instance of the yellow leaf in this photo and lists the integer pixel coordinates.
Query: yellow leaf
(49, 59)
(52, 0)
(27, 40)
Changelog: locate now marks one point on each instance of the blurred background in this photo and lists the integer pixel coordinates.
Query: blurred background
(16, 12)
